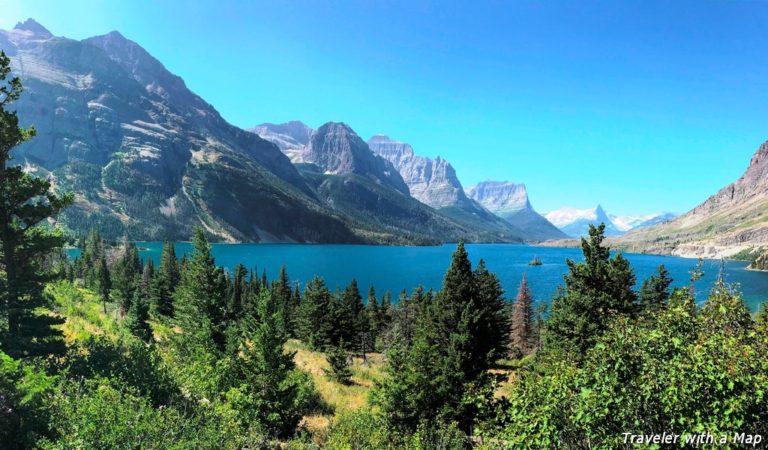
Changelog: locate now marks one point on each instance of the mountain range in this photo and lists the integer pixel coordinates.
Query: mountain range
(433, 182)
(149, 159)
(575, 222)
(732, 221)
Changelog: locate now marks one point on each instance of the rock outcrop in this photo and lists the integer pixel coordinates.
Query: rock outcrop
(430, 181)
(731, 221)
(510, 201)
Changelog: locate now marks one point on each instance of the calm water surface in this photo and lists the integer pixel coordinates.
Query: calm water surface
(398, 268)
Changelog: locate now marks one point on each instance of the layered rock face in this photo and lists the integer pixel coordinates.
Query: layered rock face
(500, 197)
(291, 137)
(146, 157)
(336, 149)
(432, 182)
(732, 220)
(510, 201)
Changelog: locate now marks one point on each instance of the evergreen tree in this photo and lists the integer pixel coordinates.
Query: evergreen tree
(491, 331)
(353, 320)
(655, 293)
(338, 361)
(265, 370)
(166, 280)
(314, 325)
(25, 202)
(237, 292)
(373, 313)
(522, 322)
(125, 272)
(596, 290)
(293, 318)
(281, 292)
(104, 280)
(451, 352)
(138, 314)
(200, 300)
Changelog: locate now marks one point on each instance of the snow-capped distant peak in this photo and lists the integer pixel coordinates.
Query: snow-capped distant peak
(566, 215)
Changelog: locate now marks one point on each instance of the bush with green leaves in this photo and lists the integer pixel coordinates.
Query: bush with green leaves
(683, 371)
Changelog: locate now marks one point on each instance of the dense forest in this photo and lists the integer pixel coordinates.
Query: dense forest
(109, 351)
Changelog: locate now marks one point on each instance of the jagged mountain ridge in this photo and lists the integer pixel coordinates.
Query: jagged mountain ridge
(575, 222)
(317, 156)
(430, 181)
(732, 220)
(146, 157)
(510, 202)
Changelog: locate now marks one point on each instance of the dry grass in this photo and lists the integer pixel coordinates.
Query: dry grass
(84, 313)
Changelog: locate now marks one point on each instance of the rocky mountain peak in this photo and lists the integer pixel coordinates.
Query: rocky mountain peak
(32, 27)
(500, 196)
(337, 149)
(432, 182)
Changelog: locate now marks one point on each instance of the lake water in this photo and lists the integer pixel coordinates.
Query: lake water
(397, 268)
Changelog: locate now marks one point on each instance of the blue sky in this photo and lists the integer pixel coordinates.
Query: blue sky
(640, 106)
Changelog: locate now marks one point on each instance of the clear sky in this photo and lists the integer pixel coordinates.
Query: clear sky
(640, 106)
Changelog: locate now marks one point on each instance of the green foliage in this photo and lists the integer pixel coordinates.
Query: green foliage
(684, 372)
(200, 302)
(26, 404)
(596, 290)
(655, 293)
(455, 342)
(165, 282)
(126, 363)
(25, 242)
(338, 360)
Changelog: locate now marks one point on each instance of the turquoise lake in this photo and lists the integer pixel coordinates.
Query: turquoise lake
(398, 268)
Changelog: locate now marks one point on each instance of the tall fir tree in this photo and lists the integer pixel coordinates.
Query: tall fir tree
(104, 281)
(125, 273)
(166, 281)
(522, 340)
(313, 318)
(265, 370)
(451, 351)
(25, 202)
(281, 292)
(138, 313)
(200, 300)
(655, 291)
(596, 290)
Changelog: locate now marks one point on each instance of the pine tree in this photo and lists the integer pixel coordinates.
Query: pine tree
(200, 300)
(373, 312)
(125, 272)
(314, 325)
(138, 314)
(265, 369)
(491, 331)
(104, 281)
(338, 361)
(281, 292)
(451, 351)
(655, 292)
(522, 322)
(25, 202)
(595, 291)
(237, 292)
(166, 280)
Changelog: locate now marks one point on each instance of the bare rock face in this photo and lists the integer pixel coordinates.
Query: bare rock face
(500, 197)
(510, 201)
(337, 149)
(291, 137)
(732, 220)
(432, 182)
(144, 155)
